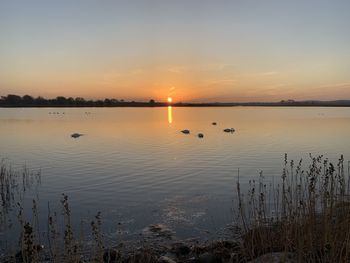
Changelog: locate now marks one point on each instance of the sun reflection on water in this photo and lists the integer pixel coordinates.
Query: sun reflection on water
(170, 115)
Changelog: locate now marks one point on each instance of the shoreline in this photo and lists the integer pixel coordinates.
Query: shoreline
(184, 106)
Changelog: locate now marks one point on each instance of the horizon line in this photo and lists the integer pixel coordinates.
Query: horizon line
(174, 102)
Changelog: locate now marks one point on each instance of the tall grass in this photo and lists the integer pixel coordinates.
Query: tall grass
(13, 186)
(306, 213)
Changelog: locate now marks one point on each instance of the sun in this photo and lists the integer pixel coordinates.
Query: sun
(170, 99)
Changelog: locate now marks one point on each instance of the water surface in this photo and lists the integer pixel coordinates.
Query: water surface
(137, 168)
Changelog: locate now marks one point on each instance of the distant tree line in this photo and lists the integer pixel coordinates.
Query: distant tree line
(60, 101)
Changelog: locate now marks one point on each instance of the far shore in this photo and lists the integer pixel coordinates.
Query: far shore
(27, 101)
(161, 104)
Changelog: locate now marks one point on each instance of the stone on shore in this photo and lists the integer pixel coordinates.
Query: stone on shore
(277, 257)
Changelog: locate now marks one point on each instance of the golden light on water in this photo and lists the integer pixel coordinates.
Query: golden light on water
(170, 115)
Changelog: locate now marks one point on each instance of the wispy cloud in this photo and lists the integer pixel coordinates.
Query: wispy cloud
(201, 67)
(221, 82)
(268, 73)
(336, 85)
(112, 76)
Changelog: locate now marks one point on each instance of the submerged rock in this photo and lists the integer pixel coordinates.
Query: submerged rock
(214, 123)
(159, 230)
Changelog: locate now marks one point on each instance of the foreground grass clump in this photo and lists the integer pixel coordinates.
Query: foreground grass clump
(306, 214)
(13, 187)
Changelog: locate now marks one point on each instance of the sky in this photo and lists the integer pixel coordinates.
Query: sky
(191, 50)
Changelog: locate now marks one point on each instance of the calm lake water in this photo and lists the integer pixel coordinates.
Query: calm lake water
(137, 168)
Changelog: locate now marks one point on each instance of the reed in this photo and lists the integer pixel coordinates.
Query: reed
(98, 239)
(307, 213)
(303, 214)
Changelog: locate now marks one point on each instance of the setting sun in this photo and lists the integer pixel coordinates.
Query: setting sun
(170, 100)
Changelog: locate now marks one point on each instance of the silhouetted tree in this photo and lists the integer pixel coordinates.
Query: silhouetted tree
(107, 102)
(71, 101)
(79, 101)
(28, 99)
(12, 99)
(99, 103)
(40, 101)
(61, 100)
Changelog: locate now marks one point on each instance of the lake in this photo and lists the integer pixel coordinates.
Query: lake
(136, 167)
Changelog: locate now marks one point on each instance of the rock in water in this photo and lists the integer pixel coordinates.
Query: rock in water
(229, 130)
(185, 131)
(200, 135)
(76, 135)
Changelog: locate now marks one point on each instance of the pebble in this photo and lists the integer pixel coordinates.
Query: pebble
(165, 259)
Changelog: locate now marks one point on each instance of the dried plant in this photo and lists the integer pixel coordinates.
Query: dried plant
(309, 214)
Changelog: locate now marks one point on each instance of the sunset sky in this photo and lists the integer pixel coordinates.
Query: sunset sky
(191, 50)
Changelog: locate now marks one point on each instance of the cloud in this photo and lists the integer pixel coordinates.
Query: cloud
(336, 85)
(268, 73)
(115, 75)
(201, 67)
(222, 82)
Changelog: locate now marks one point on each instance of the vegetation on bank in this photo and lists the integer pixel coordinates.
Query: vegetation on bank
(29, 101)
(60, 101)
(302, 216)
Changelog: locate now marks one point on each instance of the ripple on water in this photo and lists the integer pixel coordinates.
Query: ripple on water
(134, 162)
